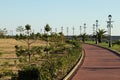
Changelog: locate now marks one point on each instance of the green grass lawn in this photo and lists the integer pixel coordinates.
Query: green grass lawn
(115, 47)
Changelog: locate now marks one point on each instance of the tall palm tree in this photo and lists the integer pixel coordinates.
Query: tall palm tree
(100, 34)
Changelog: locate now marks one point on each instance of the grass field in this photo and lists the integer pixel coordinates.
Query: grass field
(7, 46)
(115, 47)
(59, 59)
(8, 57)
(7, 49)
(61, 54)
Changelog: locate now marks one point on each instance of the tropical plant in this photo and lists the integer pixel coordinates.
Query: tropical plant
(100, 34)
(84, 36)
(20, 29)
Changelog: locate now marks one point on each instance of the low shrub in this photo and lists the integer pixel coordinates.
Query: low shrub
(117, 42)
(53, 68)
(57, 68)
(29, 73)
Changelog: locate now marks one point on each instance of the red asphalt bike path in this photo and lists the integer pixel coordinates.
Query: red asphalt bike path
(99, 64)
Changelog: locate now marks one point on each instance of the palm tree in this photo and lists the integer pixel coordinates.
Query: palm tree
(100, 34)
(84, 36)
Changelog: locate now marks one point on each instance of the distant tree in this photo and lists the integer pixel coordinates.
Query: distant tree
(3, 32)
(19, 29)
(47, 29)
(54, 36)
(84, 36)
(38, 35)
(28, 28)
(100, 34)
(75, 38)
(61, 36)
(27, 38)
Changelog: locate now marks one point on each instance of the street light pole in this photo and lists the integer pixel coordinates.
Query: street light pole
(55, 30)
(109, 26)
(84, 28)
(80, 29)
(73, 30)
(96, 31)
(41, 30)
(67, 32)
(51, 30)
(62, 30)
(93, 29)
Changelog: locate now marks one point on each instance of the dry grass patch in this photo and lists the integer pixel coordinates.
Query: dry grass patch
(8, 57)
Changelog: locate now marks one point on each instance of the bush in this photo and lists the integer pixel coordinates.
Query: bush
(117, 42)
(0, 53)
(56, 68)
(48, 70)
(29, 73)
(8, 73)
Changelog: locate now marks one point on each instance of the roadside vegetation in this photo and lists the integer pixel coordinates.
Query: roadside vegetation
(103, 41)
(30, 56)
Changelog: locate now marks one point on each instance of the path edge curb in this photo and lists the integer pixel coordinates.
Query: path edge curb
(78, 64)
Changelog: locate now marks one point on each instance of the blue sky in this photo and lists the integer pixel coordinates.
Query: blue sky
(57, 13)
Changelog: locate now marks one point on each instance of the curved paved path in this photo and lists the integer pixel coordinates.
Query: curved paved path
(99, 64)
